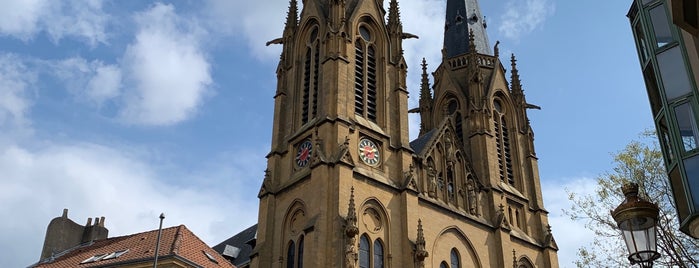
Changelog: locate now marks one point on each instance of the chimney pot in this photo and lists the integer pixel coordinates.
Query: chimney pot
(102, 221)
(89, 222)
(65, 213)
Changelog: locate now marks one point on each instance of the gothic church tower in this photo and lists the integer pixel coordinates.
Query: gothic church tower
(345, 187)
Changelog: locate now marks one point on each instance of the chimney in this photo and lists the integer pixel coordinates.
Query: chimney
(62, 233)
(95, 231)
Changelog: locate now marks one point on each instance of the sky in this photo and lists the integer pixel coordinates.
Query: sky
(126, 109)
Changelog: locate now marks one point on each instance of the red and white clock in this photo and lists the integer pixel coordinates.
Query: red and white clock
(369, 152)
(303, 155)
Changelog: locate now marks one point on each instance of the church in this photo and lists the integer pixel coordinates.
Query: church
(346, 187)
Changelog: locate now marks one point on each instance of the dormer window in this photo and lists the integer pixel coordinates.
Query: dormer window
(474, 18)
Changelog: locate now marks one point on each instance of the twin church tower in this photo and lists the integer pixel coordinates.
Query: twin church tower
(345, 186)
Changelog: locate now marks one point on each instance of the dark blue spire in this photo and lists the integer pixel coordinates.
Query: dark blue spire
(462, 17)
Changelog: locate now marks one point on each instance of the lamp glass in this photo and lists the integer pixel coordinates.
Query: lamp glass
(639, 235)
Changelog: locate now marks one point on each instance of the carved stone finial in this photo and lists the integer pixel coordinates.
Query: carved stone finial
(409, 178)
(496, 49)
(501, 219)
(343, 155)
(515, 82)
(318, 152)
(266, 184)
(420, 251)
(471, 41)
(394, 22)
(292, 15)
(351, 231)
(549, 241)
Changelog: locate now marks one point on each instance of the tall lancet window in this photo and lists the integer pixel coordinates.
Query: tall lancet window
(365, 88)
(290, 255)
(502, 140)
(364, 252)
(378, 254)
(455, 262)
(310, 78)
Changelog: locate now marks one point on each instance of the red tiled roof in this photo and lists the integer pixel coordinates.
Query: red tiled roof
(175, 241)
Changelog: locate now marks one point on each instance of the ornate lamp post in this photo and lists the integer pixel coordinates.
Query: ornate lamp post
(637, 219)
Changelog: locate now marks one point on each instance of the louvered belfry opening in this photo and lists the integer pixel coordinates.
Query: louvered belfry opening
(316, 66)
(502, 140)
(359, 78)
(371, 84)
(508, 154)
(365, 71)
(306, 86)
(311, 73)
(498, 143)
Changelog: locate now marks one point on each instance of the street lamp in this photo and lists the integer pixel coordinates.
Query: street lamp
(637, 219)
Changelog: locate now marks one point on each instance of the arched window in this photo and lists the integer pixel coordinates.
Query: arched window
(300, 260)
(378, 254)
(440, 185)
(450, 185)
(455, 262)
(524, 262)
(371, 256)
(365, 88)
(310, 78)
(443, 265)
(502, 141)
(290, 255)
(452, 109)
(364, 252)
(459, 125)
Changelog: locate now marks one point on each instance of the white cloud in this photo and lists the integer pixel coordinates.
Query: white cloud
(167, 73)
(15, 82)
(93, 82)
(83, 19)
(256, 21)
(105, 84)
(19, 18)
(123, 185)
(524, 16)
(570, 235)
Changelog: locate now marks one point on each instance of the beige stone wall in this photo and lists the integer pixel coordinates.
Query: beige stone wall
(391, 197)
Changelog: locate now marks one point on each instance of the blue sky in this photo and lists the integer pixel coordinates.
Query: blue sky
(126, 109)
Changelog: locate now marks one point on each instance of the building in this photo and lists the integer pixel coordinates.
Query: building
(238, 248)
(666, 39)
(69, 244)
(345, 186)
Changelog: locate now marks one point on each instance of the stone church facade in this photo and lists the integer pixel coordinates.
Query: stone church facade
(345, 186)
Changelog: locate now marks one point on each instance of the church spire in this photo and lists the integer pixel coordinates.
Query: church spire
(462, 17)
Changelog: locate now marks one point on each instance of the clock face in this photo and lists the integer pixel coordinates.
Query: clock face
(303, 155)
(369, 152)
